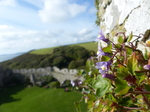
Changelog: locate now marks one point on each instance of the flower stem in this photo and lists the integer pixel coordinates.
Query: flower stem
(139, 92)
(133, 108)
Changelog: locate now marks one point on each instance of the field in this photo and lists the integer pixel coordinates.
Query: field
(89, 46)
(35, 99)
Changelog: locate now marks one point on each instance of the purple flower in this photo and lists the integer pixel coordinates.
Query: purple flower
(76, 82)
(109, 76)
(102, 53)
(72, 83)
(103, 66)
(147, 67)
(102, 37)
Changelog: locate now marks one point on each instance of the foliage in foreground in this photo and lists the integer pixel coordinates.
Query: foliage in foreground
(118, 79)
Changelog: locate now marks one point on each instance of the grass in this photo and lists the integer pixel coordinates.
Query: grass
(88, 45)
(37, 99)
(43, 51)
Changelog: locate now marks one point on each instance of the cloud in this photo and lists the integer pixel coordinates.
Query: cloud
(5, 27)
(8, 3)
(60, 10)
(83, 35)
(21, 28)
(85, 31)
(92, 10)
(21, 41)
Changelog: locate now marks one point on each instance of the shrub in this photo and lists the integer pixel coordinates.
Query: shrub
(60, 62)
(54, 84)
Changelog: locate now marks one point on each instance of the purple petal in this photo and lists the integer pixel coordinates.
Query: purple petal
(103, 71)
(102, 53)
(102, 37)
(103, 66)
(109, 76)
(147, 67)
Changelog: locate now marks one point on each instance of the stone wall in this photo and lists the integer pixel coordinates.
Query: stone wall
(125, 16)
(34, 74)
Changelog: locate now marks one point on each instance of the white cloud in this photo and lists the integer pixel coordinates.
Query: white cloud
(21, 28)
(92, 10)
(83, 35)
(7, 3)
(5, 27)
(60, 10)
(21, 41)
(85, 31)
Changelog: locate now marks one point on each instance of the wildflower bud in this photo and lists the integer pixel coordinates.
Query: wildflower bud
(147, 67)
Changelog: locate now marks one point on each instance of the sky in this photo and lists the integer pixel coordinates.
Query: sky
(33, 24)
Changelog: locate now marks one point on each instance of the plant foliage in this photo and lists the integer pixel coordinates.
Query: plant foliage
(117, 79)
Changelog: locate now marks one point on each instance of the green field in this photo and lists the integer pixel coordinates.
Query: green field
(35, 99)
(89, 46)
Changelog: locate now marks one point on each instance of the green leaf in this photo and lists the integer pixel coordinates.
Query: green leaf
(147, 87)
(118, 46)
(129, 51)
(132, 63)
(146, 54)
(120, 39)
(108, 48)
(121, 87)
(142, 78)
(123, 71)
(140, 75)
(105, 58)
(130, 37)
(111, 97)
(101, 85)
(77, 106)
(90, 100)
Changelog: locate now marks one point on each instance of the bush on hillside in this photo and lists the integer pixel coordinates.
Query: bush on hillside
(77, 64)
(60, 61)
(62, 57)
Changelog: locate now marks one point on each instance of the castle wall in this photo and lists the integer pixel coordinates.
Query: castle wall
(34, 74)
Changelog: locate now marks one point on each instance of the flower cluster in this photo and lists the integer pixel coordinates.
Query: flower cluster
(118, 78)
(102, 65)
(76, 82)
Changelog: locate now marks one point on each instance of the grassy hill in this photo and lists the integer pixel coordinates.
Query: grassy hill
(70, 56)
(35, 99)
(89, 46)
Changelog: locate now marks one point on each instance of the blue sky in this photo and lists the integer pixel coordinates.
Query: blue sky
(34, 24)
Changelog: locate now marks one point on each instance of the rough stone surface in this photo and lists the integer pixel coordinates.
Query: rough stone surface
(125, 16)
(133, 15)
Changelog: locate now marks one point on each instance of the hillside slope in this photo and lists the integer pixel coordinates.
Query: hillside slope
(91, 46)
(63, 57)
